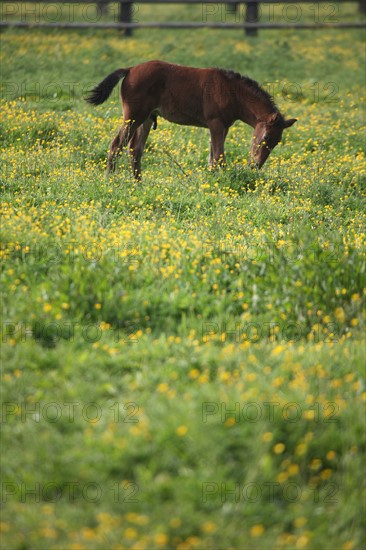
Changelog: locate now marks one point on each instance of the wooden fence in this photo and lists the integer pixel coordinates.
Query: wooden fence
(251, 18)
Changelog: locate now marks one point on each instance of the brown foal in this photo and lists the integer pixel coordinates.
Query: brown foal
(208, 98)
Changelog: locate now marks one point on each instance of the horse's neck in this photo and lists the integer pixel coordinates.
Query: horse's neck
(253, 108)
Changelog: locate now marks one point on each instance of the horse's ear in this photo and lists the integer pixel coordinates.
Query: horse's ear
(274, 118)
(289, 122)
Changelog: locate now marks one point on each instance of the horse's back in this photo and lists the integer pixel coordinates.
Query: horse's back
(168, 73)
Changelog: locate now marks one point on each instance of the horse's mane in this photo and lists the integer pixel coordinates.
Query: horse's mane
(253, 85)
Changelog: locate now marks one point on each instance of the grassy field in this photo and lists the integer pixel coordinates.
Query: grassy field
(182, 358)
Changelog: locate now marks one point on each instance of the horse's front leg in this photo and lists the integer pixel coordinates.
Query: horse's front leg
(210, 158)
(218, 134)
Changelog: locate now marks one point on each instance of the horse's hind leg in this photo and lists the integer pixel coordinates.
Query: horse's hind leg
(136, 146)
(124, 135)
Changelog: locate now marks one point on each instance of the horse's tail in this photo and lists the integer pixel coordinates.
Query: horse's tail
(101, 93)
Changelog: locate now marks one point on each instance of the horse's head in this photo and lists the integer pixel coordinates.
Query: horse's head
(267, 133)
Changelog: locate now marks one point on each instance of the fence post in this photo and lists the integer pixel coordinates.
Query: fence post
(125, 15)
(251, 16)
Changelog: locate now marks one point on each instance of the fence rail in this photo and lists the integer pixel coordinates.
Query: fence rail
(234, 2)
(251, 21)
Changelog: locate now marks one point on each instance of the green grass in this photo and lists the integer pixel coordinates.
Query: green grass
(182, 358)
